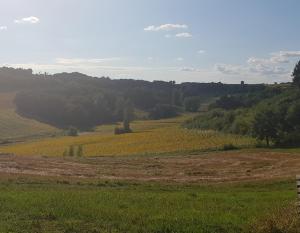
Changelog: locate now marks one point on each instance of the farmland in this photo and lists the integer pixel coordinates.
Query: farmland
(160, 178)
(202, 168)
(148, 137)
(149, 116)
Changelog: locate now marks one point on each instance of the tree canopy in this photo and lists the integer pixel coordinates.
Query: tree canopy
(296, 74)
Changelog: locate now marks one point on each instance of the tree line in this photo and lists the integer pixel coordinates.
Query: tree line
(81, 101)
(271, 115)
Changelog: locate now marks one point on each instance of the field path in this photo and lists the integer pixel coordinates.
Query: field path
(203, 168)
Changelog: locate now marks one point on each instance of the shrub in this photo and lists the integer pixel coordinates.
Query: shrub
(71, 151)
(79, 151)
(192, 104)
(161, 111)
(74, 151)
(229, 147)
(72, 131)
(119, 130)
(66, 153)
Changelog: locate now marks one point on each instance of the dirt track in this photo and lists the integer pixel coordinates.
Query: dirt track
(203, 168)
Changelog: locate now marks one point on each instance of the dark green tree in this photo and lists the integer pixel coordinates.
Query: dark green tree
(128, 116)
(71, 151)
(296, 74)
(72, 131)
(265, 126)
(79, 151)
(192, 104)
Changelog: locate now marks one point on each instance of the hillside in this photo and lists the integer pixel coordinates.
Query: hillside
(76, 100)
(272, 116)
(15, 127)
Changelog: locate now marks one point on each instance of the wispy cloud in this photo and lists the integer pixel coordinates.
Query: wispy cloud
(3, 28)
(201, 51)
(276, 64)
(184, 35)
(229, 69)
(179, 35)
(275, 58)
(179, 59)
(85, 61)
(190, 69)
(165, 27)
(28, 20)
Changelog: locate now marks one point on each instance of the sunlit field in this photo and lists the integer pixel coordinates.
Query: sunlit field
(148, 137)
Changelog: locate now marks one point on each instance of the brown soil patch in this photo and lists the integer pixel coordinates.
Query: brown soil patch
(203, 168)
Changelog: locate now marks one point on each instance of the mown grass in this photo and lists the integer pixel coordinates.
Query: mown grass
(148, 137)
(124, 207)
(13, 126)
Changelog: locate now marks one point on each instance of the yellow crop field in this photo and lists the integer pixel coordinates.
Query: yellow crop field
(149, 137)
(13, 126)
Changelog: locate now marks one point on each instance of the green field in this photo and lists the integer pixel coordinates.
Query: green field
(14, 127)
(148, 137)
(66, 206)
(40, 203)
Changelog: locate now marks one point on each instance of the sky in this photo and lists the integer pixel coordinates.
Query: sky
(227, 41)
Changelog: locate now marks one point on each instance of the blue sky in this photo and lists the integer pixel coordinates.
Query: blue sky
(183, 40)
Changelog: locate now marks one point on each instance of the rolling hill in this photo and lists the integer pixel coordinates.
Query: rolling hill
(15, 127)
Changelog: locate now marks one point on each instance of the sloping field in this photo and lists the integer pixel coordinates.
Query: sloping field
(13, 126)
(149, 137)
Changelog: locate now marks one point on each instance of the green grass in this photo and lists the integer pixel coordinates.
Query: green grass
(15, 127)
(124, 207)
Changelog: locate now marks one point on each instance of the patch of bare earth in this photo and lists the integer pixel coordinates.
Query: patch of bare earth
(202, 168)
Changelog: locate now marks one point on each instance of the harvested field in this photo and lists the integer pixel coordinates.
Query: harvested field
(203, 168)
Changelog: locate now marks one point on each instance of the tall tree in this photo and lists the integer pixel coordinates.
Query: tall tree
(296, 74)
(128, 115)
(265, 126)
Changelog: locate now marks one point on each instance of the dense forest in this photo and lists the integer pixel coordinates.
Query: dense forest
(81, 101)
(271, 115)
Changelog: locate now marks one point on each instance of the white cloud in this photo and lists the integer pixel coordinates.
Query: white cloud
(251, 70)
(288, 53)
(277, 64)
(189, 69)
(85, 61)
(201, 51)
(165, 27)
(269, 69)
(3, 28)
(184, 35)
(179, 59)
(275, 58)
(179, 35)
(229, 69)
(28, 20)
(269, 61)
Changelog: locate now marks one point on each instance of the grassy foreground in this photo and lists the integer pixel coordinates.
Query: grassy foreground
(148, 137)
(121, 207)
